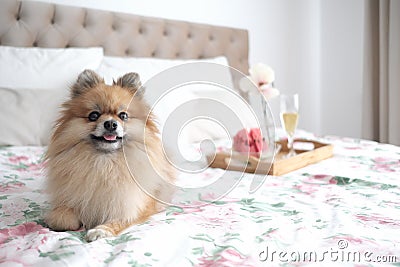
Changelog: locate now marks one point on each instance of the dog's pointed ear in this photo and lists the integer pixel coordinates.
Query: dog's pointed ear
(86, 80)
(132, 82)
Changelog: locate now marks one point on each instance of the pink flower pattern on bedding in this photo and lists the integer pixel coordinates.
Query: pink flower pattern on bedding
(348, 205)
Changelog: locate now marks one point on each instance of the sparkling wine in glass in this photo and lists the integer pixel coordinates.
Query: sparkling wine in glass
(289, 113)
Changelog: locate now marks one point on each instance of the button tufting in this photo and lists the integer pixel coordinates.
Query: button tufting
(140, 30)
(84, 19)
(35, 44)
(189, 36)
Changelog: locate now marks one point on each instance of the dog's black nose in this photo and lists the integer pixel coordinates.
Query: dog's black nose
(111, 125)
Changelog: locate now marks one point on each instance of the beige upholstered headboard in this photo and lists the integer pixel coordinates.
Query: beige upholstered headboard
(30, 24)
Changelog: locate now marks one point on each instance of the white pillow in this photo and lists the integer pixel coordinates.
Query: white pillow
(33, 84)
(28, 115)
(211, 112)
(45, 68)
(114, 67)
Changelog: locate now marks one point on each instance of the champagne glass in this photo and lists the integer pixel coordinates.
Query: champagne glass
(289, 113)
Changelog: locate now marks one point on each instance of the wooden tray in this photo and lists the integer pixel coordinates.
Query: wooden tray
(280, 165)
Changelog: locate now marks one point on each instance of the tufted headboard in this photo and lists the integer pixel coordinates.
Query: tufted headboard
(37, 24)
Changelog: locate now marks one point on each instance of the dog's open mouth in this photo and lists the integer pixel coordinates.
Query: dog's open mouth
(108, 138)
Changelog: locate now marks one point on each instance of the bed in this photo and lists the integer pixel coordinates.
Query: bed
(344, 210)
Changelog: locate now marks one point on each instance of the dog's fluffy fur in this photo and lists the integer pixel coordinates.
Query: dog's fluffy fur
(89, 181)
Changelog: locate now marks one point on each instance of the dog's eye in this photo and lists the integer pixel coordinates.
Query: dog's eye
(123, 116)
(94, 115)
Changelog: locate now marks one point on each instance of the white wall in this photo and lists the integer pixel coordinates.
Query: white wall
(313, 45)
(341, 66)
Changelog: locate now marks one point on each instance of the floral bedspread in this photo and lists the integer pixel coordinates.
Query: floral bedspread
(342, 211)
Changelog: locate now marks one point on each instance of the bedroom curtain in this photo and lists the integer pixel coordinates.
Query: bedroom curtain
(381, 73)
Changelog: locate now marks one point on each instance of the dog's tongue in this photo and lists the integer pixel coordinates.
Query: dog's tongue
(110, 137)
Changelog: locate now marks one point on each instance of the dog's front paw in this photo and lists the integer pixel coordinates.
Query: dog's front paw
(96, 233)
(63, 219)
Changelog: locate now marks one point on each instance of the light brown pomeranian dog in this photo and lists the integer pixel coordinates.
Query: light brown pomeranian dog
(105, 159)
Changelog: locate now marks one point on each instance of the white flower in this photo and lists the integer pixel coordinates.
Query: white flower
(262, 77)
(262, 74)
(269, 92)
